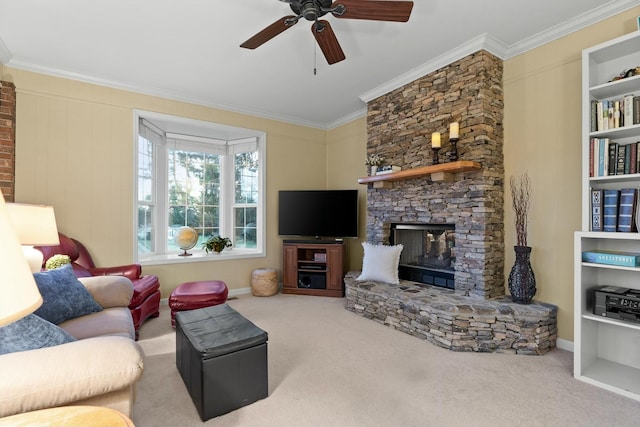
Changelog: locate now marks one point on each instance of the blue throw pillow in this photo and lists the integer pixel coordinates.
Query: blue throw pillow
(29, 333)
(64, 297)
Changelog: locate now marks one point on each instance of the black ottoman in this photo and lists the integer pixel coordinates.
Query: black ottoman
(222, 358)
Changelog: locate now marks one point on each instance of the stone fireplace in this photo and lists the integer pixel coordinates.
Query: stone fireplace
(399, 124)
(452, 228)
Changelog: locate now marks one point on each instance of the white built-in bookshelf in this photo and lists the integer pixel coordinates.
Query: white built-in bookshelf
(606, 350)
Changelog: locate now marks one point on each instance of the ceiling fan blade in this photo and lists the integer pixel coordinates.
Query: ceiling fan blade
(270, 32)
(397, 11)
(327, 41)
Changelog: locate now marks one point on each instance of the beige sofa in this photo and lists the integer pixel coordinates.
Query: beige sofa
(100, 369)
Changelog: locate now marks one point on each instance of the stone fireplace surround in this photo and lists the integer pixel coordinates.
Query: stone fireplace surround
(476, 316)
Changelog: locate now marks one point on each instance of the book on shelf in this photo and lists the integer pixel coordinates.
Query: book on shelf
(622, 155)
(627, 210)
(624, 259)
(596, 209)
(603, 160)
(636, 110)
(594, 115)
(613, 155)
(599, 118)
(628, 110)
(610, 210)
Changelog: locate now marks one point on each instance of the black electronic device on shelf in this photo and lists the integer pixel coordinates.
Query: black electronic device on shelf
(308, 280)
(618, 303)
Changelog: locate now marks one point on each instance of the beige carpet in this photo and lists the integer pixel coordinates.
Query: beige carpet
(330, 367)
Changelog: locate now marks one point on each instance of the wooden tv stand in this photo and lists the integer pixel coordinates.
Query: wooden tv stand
(312, 268)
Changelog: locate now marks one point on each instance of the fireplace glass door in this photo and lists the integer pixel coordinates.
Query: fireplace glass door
(428, 255)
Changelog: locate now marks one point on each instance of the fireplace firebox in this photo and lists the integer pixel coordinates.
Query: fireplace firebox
(428, 255)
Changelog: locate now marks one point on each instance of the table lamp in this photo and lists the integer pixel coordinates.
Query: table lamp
(19, 294)
(35, 225)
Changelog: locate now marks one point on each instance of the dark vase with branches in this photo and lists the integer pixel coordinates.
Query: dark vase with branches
(522, 281)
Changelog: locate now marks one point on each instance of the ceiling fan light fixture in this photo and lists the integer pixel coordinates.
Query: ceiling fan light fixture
(310, 11)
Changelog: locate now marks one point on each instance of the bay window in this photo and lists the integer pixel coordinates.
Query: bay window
(202, 175)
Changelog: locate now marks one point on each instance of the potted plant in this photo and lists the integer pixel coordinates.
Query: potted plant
(374, 160)
(216, 243)
(522, 281)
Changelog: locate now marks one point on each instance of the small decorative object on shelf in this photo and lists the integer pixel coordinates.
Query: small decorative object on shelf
(454, 129)
(383, 170)
(217, 244)
(435, 146)
(374, 160)
(620, 258)
(56, 261)
(522, 281)
(626, 73)
(186, 238)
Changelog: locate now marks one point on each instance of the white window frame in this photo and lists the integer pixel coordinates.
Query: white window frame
(224, 140)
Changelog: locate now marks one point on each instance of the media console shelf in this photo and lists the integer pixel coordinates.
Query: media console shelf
(313, 268)
(439, 172)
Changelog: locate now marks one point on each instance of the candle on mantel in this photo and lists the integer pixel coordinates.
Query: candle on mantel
(454, 129)
(435, 140)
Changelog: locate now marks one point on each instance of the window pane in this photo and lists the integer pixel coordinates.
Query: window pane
(145, 235)
(245, 230)
(245, 199)
(246, 178)
(145, 170)
(194, 190)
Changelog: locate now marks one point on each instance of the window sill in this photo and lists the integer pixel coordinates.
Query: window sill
(201, 256)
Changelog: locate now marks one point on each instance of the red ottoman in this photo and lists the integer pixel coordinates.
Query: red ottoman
(192, 295)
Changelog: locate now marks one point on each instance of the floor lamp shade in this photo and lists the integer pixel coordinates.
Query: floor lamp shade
(19, 294)
(34, 225)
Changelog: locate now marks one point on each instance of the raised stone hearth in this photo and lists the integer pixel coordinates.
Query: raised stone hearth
(453, 321)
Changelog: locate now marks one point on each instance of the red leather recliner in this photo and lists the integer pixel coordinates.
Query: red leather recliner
(145, 302)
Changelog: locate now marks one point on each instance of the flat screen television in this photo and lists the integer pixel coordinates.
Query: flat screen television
(318, 213)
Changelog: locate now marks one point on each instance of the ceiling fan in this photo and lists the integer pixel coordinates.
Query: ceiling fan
(312, 10)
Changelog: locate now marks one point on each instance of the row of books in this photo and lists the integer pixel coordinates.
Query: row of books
(625, 259)
(610, 158)
(615, 113)
(614, 210)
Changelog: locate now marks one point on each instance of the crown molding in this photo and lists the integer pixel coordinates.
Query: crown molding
(579, 22)
(27, 66)
(348, 118)
(483, 42)
(5, 53)
(503, 51)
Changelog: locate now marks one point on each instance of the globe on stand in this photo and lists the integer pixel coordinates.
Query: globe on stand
(186, 238)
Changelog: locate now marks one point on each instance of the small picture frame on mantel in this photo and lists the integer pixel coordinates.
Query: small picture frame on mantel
(638, 22)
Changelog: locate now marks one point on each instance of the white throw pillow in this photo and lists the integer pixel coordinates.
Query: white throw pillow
(380, 263)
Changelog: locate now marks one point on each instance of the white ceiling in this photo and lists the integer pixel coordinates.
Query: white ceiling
(189, 49)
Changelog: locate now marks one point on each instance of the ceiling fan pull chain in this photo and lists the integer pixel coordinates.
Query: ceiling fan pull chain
(315, 57)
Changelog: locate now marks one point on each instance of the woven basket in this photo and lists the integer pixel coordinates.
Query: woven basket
(264, 282)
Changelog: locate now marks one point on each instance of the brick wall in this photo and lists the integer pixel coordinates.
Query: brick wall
(399, 126)
(7, 139)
